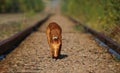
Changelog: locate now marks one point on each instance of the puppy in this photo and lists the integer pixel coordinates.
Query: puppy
(54, 39)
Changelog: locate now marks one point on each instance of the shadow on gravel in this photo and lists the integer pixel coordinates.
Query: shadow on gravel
(62, 56)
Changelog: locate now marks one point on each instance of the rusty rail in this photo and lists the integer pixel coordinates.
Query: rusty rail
(9, 44)
(108, 41)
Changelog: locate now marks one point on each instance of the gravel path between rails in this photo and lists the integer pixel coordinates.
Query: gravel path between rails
(80, 53)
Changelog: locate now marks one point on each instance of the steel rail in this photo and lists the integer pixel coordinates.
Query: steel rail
(102, 37)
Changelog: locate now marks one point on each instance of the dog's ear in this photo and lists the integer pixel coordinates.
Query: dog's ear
(55, 38)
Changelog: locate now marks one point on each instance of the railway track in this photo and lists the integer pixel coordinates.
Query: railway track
(80, 52)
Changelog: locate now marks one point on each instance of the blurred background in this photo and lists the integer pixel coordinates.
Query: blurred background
(16, 15)
(100, 15)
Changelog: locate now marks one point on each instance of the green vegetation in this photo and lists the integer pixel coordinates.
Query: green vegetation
(78, 28)
(13, 6)
(101, 15)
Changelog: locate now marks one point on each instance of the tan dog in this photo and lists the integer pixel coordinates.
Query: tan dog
(54, 38)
